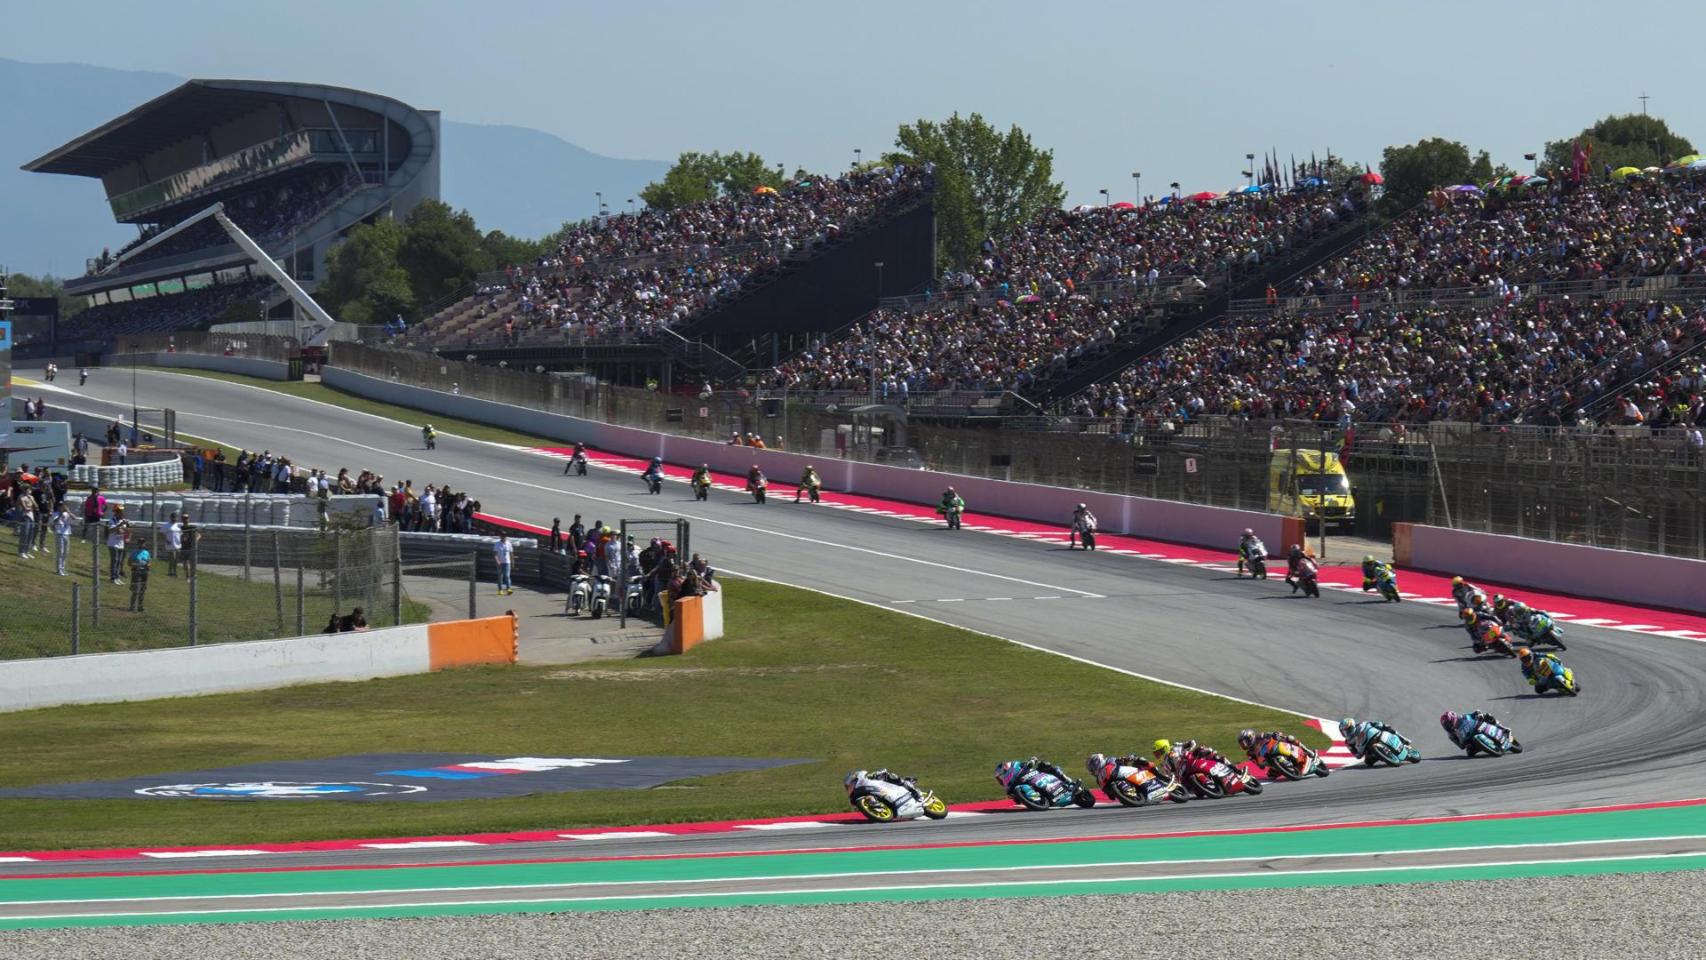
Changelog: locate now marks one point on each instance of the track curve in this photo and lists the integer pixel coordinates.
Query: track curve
(1632, 736)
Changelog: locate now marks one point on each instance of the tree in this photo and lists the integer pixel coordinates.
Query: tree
(364, 283)
(987, 182)
(1413, 170)
(442, 251)
(1631, 140)
(697, 177)
(24, 285)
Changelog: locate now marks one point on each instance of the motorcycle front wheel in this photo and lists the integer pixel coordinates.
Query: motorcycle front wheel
(936, 809)
(1084, 798)
(1252, 786)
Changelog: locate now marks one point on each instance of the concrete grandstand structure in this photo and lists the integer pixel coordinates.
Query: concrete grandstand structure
(296, 165)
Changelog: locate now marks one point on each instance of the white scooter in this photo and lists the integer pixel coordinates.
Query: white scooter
(580, 594)
(601, 597)
(635, 597)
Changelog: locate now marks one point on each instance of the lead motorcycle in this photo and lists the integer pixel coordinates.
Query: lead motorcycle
(880, 801)
(1036, 790)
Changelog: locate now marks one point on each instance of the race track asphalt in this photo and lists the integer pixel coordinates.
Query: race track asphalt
(1631, 737)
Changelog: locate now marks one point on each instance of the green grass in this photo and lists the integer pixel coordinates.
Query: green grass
(349, 401)
(802, 675)
(35, 607)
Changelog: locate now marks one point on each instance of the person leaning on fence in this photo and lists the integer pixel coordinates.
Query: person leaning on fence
(190, 538)
(94, 507)
(140, 561)
(118, 531)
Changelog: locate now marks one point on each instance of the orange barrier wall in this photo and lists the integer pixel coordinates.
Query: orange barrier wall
(1401, 544)
(687, 627)
(1294, 530)
(463, 643)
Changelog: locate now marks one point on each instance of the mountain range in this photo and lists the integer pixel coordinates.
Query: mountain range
(522, 181)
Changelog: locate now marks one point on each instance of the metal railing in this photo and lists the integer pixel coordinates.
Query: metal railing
(1665, 287)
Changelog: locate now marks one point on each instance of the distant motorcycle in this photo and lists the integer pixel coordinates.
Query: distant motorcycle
(702, 488)
(1493, 739)
(1309, 580)
(1387, 583)
(654, 482)
(756, 486)
(577, 463)
(1286, 761)
(1388, 748)
(1539, 627)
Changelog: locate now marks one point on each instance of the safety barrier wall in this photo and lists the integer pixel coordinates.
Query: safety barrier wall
(248, 366)
(256, 665)
(693, 620)
(1621, 575)
(1139, 516)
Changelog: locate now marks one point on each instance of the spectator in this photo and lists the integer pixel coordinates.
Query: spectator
(503, 552)
(118, 534)
(174, 544)
(140, 560)
(62, 525)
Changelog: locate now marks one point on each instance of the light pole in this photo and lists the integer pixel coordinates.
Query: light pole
(873, 355)
(598, 195)
(631, 209)
(135, 429)
(1104, 193)
(857, 155)
(1533, 158)
(1175, 187)
(1250, 159)
(1137, 188)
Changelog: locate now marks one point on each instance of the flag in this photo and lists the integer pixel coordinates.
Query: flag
(1579, 157)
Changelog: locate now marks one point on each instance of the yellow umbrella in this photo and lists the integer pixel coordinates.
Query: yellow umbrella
(1623, 172)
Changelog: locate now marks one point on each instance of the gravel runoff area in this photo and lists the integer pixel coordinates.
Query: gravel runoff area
(1652, 915)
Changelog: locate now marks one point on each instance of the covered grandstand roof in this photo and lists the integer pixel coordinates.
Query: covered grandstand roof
(176, 115)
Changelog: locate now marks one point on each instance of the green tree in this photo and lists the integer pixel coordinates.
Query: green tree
(1631, 140)
(987, 182)
(697, 177)
(24, 285)
(505, 249)
(442, 251)
(364, 282)
(1413, 170)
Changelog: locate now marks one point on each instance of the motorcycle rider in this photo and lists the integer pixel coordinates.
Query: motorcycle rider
(809, 484)
(82, 376)
(1483, 629)
(756, 482)
(1083, 528)
(1250, 549)
(1038, 765)
(1468, 595)
(1252, 743)
(859, 777)
(1373, 571)
(1461, 727)
(951, 507)
(653, 474)
(577, 460)
(429, 436)
(1543, 672)
(702, 477)
(1358, 734)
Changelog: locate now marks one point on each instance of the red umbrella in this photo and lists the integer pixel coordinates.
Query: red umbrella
(1125, 205)
(1372, 177)
(1203, 197)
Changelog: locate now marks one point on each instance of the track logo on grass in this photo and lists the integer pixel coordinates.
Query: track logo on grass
(280, 790)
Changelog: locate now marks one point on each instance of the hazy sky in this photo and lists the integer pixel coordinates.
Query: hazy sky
(1178, 91)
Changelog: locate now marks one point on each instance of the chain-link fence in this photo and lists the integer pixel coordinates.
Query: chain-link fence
(221, 584)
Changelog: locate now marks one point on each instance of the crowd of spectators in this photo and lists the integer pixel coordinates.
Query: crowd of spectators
(629, 275)
(1563, 231)
(1537, 359)
(165, 312)
(278, 208)
(1048, 312)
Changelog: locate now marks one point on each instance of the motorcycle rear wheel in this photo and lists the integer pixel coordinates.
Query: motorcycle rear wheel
(875, 808)
(1124, 793)
(1030, 800)
(1282, 768)
(1205, 787)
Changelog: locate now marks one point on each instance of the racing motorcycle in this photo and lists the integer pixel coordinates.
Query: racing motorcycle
(1562, 680)
(1036, 790)
(600, 602)
(654, 482)
(1212, 779)
(578, 463)
(1286, 761)
(757, 486)
(1387, 583)
(1139, 786)
(1497, 642)
(1493, 739)
(701, 487)
(1389, 748)
(1256, 560)
(883, 802)
(1309, 579)
(580, 593)
(813, 491)
(1539, 627)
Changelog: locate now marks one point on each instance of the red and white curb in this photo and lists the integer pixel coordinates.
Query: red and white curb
(1567, 610)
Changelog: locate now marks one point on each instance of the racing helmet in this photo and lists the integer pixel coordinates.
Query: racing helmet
(1449, 719)
(1246, 738)
(1466, 615)
(1162, 746)
(1094, 763)
(705, 467)
(1347, 725)
(1457, 581)
(1524, 654)
(853, 779)
(1007, 771)
(755, 468)
(1248, 532)
(1368, 558)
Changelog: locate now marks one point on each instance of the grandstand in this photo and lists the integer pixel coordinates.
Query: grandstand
(295, 166)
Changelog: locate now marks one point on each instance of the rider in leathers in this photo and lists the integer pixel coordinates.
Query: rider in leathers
(1359, 734)
(1249, 547)
(1252, 742)
(1372, 571)
(951, 508)
(1542, 671)
(883, 775)
(1461, 727)
(1483, 628)
(808, 482)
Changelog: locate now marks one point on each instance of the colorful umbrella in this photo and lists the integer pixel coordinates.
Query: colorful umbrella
(1698, 164)
(1083, 208)
(1534, 181)
(1685, 161)
(1125, 205)
(1373, 178)
(759, 190)
(1465, 188)
(1624, 172)
(1030, 298)
(1203, 197)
